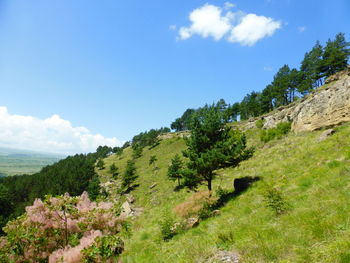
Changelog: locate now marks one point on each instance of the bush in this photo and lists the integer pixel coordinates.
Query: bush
(275, 201)
(281, 129)
(166, 228)
(260, 123)
(61, 229)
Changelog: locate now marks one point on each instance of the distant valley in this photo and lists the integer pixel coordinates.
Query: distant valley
(15, 161)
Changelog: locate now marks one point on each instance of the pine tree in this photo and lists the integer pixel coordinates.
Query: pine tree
(335, 56)
(175, 169)
(211, 146)
(100, 164)
(114, 170)
(310, 68)
(129, 176)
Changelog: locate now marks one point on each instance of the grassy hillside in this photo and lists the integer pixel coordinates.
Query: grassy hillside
(14, 161)
(312, 177)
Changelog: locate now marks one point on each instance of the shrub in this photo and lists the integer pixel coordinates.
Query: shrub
(166, 228)
(281, 129)
(60, 229)
(260, 123)
(275, 201)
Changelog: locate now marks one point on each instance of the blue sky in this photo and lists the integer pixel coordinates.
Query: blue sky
(122, 67)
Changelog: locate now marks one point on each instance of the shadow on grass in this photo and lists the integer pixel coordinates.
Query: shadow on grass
(240, 186)
(131, 188)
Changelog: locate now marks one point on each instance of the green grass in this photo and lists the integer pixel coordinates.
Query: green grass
(313, 178)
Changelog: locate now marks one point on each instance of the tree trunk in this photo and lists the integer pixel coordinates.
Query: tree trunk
(209, 185)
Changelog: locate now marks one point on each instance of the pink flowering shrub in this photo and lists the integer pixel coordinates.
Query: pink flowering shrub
(63, 229)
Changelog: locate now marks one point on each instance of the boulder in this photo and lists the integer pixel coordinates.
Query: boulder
(325, 134)
(191, 222)
(227, 256)
(126, 210)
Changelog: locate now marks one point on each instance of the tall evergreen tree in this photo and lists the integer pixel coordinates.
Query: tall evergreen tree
(175, 169)
(335, 56)
(212, 145)
(129, 175)
(310, 76)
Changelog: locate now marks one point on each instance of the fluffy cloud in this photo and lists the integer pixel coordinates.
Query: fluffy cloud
(206, 21)
(252, 28)
(53, 134)
(236, 27)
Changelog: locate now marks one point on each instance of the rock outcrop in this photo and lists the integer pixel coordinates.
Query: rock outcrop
(326, 107)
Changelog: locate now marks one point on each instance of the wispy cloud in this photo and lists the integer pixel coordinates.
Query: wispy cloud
(53, 134)
(268, 68)
(173, 27)
(229, 5)
(301, 29)
(235, 27)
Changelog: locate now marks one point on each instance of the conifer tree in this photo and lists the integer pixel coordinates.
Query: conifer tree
(175, 169)
(335, 56)
(211, 146)
(114, 170)
(100, 164)
(129, 175)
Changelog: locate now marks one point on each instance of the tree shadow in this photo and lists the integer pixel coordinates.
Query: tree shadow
(131, 188)
(240, 186)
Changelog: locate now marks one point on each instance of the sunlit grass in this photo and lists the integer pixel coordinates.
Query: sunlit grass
(312, 176)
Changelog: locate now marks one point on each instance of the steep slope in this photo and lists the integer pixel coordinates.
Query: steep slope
(311, 175)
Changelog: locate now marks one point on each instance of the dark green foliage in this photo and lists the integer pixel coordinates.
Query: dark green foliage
(148, 138)
(94, 187)
(114, 170)
(100, 164)
(311, 69)
(6, 206)
(129, 175)
(212, 145)
(136, 151)
(103, 151)
(280, 130)
(117, 150)
(275, 201)
(182, 123)
(175, 169)
(250, 106)
(126, 145)
(152, 160)
(335, 56)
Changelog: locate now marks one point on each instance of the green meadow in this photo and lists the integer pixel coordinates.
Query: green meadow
(312, 179)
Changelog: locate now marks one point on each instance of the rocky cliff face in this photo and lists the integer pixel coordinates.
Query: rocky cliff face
(326, 107)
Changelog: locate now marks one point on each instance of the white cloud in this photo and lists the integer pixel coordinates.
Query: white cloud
(301, 29)
(206, 21)
(172, 27)
(236, 27)
(252, 28)
(53, 134)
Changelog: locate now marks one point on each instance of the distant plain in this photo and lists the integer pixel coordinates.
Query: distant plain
(16, 162)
